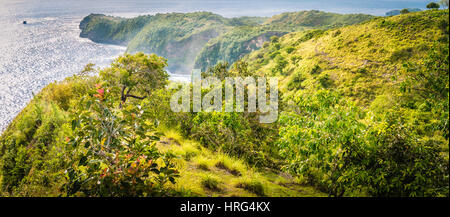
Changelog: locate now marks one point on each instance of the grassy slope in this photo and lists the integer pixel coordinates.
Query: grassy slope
(234, 45)
(34, 153)
(365, 63)
(206, 173)
(363, 60)
(241, 41)
(202, 39)
(315, 19)
(359, 60)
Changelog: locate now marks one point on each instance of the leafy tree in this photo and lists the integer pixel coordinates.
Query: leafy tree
(433, 5)
(220, 71)
(404, 11)
(115, 153)
(139, 73)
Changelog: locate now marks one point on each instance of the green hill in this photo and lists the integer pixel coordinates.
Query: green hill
(203, 39)
(363, 111)
(373, 96)
(234, 45)
(240, 41)
(397, 12)
(360, 60)
(315, 19)
(176, 36)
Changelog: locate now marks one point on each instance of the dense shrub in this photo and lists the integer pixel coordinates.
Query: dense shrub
(332, 144)
(115, 152)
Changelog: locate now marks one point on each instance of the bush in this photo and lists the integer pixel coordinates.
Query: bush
(116, 154)
(433, 5)
(335, 146)
(404, 11)
(253, 186)
(210, 183)
(290, 49)
(295, 83)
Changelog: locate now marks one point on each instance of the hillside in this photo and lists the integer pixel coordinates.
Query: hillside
(375, 94)
(397, 12)
(203, 39)
(362, 61)
(240, 41)
(234, 45)
(315, 19)
(48, 151)
(363, 111)
(178, 37)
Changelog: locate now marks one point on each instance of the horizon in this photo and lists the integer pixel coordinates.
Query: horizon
(234, 8)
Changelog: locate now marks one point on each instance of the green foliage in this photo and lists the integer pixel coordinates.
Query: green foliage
(210, 183)
(234, 45)
(346, 133)
(427, 87)
(253, 186)
(219, 71)
(114, 143)
(363, 112)
(115, 152)
(280, 65)
(295, 83)
(203, 39)
(108, 29)
(309, 35)
(232, 133)
(140, 73)
(433, 5)
(33, 148)
(333, 144)
(402, 54)
(404, 11)
(238, 42)
(317, 19)
(176, 36)
(79, 138)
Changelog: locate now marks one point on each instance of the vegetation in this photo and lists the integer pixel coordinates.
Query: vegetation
(366, 106)
(316, 19)
(203, 39)
(404, 11)
(80, 138)
(233, 45)
(433, 5)
(114, 30)
(175, 36)
(240, 41)
(364, 111)
(397, 12)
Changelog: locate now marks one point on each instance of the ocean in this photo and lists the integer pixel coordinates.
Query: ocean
(49, 48)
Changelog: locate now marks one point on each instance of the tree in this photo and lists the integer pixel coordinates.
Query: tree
(114, 150)
(220, 71)
(136, 74)
(404, 11)
(433, 5)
